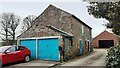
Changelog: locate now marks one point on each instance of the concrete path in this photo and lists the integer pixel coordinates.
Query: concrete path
(97, 58)
(32, 64)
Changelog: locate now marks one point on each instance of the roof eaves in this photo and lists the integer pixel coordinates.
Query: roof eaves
(68, 34)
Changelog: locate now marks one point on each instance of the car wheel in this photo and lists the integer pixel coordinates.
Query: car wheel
(27, 58)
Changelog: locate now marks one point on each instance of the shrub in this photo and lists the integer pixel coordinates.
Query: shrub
(113, 57)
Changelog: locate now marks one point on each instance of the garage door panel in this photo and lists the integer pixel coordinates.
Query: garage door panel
(48, 49)
(106, 43)
(31, 45)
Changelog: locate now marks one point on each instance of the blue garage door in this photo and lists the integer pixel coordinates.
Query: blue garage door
(31, 45)
(48, 49)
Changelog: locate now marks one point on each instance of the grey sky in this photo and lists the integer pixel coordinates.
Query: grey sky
(76, 8)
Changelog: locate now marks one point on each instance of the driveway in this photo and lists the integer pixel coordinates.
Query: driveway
(96, 58)
(32, 64)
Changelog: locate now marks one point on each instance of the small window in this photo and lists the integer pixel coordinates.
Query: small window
(71, 42)
(20, 48)
(83, 30)
(12, 49)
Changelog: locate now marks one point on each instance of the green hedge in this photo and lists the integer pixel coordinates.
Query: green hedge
(113, 57)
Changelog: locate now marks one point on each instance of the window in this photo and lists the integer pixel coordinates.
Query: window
(83, 30)
(71, 42)
(3, 49)
(19, 48)
(12, 49)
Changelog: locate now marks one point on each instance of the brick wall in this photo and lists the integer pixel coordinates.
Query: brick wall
(105, 36)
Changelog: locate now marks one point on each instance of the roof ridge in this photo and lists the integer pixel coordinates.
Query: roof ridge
(103, 32)
(50, 5)
(71, 15)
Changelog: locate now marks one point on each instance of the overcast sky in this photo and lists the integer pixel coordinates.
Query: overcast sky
(78, 8)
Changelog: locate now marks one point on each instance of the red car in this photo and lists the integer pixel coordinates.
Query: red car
(10, 54)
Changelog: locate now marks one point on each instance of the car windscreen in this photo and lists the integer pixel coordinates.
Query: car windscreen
(3, 48)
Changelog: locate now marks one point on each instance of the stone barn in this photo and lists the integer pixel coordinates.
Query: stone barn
(105, 40)
(57, 35)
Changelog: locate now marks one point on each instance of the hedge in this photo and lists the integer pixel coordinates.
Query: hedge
(113, 57)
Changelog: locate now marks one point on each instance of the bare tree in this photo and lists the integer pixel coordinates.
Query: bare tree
(13, 25)
(28, 22)
(9, 23)
(5, 20)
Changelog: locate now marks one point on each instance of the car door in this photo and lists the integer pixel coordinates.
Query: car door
(9, 55)
(19, 53)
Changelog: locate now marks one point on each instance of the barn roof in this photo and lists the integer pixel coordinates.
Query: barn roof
(72, 16)
(63, 32)
(107, 32)
(63, 11)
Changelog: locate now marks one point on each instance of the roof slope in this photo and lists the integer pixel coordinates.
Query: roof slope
(106, 32)
(42, 20)
(72, 16)
(68, 14)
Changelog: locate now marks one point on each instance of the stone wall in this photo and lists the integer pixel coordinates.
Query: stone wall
(63, 21)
